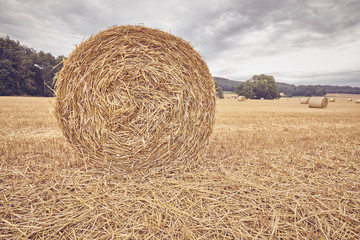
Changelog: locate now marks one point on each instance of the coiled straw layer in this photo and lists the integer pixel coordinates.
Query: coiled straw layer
(136, 96)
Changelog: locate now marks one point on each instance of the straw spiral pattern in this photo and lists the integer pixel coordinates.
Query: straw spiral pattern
(137, 96)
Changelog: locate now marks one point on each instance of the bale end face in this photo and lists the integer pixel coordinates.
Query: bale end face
(136, 96)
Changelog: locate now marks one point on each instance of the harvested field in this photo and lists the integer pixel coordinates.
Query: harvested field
(341, 96)
(275, 169)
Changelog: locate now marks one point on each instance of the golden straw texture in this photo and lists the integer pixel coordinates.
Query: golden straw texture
(318, 102)
(137, 97)
(241, 98)
(304, 100)
(252, 184)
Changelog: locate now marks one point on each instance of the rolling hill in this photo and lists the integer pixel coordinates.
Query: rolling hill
(230, 85)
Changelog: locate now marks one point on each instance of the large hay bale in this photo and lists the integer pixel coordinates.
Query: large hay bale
(304, 100)
(241, 98)
(357, 101)
(331, 99)
(318, 102)
(136, 96)
(349, 99)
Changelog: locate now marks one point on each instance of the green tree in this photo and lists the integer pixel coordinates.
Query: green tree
(219, 91)
(265, 87)
(10, 60)
(48, 65)
(259, 86)
(6, 77)
(23, 71)
(245, 89)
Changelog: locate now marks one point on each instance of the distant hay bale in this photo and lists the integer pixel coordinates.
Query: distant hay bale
(349, 99)
(357, 101)
(136, 96)
(304, 100)
(318, 102)
(331, 99)
(241, 98)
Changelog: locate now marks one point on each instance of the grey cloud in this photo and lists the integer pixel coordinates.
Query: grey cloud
(344, 78)
(314, 26)
(295, 23)
(226, 33)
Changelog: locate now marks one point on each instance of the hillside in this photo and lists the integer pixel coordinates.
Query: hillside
(291, 89)
(227, 84)
(308, 90)
(340, 89)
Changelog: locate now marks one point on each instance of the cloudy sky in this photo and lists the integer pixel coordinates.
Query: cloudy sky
(296, 41)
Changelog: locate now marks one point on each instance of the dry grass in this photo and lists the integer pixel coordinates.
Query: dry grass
(274, 170)
(342, 97)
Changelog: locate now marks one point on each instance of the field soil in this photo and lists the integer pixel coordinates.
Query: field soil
(274, 169)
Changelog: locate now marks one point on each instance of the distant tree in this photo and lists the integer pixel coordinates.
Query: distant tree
(308, 90)
(23, 71)
(6, 77)
(265, 87)
(219, 91)
(340, 89)
(259, 86)
(48, 65)
(245, 89)
(320, 91)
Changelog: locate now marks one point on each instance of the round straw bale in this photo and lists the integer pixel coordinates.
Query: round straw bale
(349, 99)
(357, 101)
(304, 100)
(318, 102)
(241, 98)
(331, 99)
(136, 96)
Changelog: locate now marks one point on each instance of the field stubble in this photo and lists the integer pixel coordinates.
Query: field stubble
(274, 169)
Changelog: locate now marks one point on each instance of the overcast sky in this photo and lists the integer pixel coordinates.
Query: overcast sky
(296, 41)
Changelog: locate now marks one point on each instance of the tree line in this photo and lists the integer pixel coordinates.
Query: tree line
(291, 90)
(226, 84)
(263, 86)
(259, 86)
(340, 89)
(301, 90)
(24, 71)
